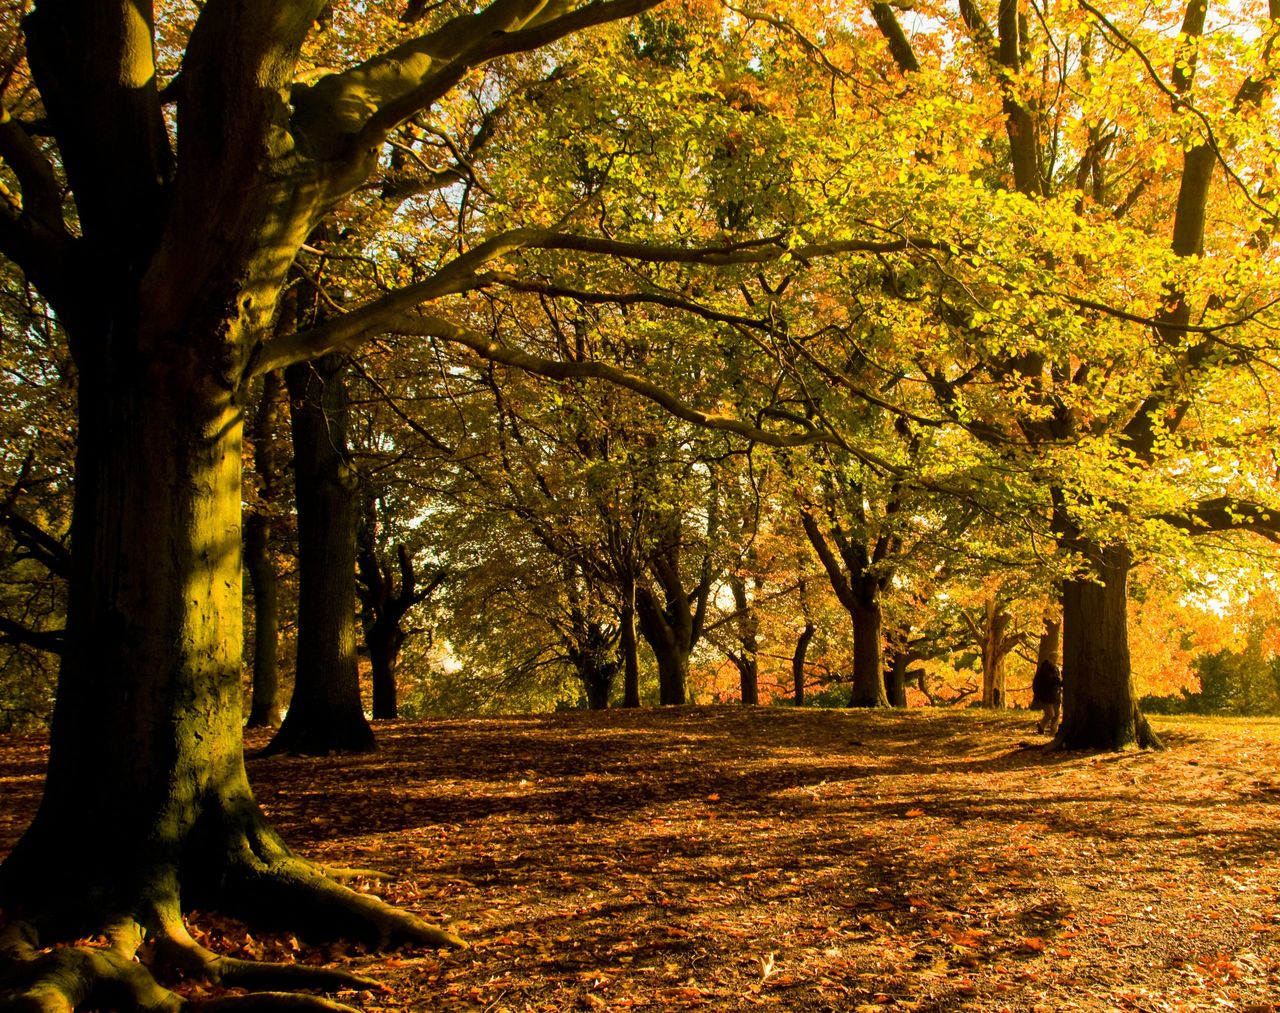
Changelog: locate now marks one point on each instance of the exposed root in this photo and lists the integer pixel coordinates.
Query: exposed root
(72, 976)
(68, 978)
(298, 889)
(247, 870)
(176, 949)
(1147, 737)
(268, 1002)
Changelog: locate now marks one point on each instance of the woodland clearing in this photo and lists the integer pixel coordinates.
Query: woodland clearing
(733, 858)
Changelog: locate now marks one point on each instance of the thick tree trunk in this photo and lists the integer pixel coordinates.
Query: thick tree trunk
(147, 807)
(797, 663)
(145, 762)
(673, 672)
(868, 652)
(598, 683)
(1100, 709)
(325, 713)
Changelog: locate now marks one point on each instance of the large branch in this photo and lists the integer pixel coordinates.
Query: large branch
(348, 113)
(899, 45)
(94, 64)
(1226, 513)
(52, 641)
(426, 325)
(41, 545)
(348, 331)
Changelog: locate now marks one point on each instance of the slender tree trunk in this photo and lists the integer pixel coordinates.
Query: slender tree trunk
(995, 650)
(325, 713)
(669, 642)
(797, 663)
(384, 640)
(1100, 708)
(264, 711)
(748, 662)
(629, 649)
(868, 651)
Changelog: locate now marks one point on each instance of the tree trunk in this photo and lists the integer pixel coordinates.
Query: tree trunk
(325, 713)
(146, 804)
(384, 640)
(1100, 709)
(797, 663)
(629, 649)
(264, 711)
(748, 661)
(868, 650)
(673, 672)
(668, 638)
(145, 759)
(995, 650)
(1049, 647)
(895, 678)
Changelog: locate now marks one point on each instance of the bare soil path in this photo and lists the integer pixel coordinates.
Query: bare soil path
(726, 858)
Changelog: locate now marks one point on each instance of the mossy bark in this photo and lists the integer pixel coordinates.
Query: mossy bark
(146, 788)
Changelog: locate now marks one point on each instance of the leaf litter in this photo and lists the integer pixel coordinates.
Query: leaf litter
(736, 859)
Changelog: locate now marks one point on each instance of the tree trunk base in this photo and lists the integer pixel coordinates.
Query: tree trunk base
(1143, 737)
(278, 890)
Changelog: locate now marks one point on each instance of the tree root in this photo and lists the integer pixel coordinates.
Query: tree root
(67, 978)
(309, 898)
(242, 868)
(177, 950)
(1147, 737)
(268, 1002)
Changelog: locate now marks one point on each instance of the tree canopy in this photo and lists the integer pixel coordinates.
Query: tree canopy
(651, 353)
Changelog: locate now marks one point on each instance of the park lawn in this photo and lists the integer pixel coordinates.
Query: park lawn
(733, 859)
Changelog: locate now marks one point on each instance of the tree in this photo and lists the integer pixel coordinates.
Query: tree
(385, 602)
(325, 712)
(166, 272)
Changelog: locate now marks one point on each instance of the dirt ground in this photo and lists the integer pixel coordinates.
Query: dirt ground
(730, 859)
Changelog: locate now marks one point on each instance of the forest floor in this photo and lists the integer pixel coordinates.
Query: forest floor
(731, 859)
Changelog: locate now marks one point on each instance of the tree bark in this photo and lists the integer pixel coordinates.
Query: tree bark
(895, 678)
(664, 638)
(264, 711)
(859, 592)
(325, 713)
(747, 661)
(1049, 647)
(1100, 709)
(797, 663)
(629, 649)
(157, 507)
(868, 648)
